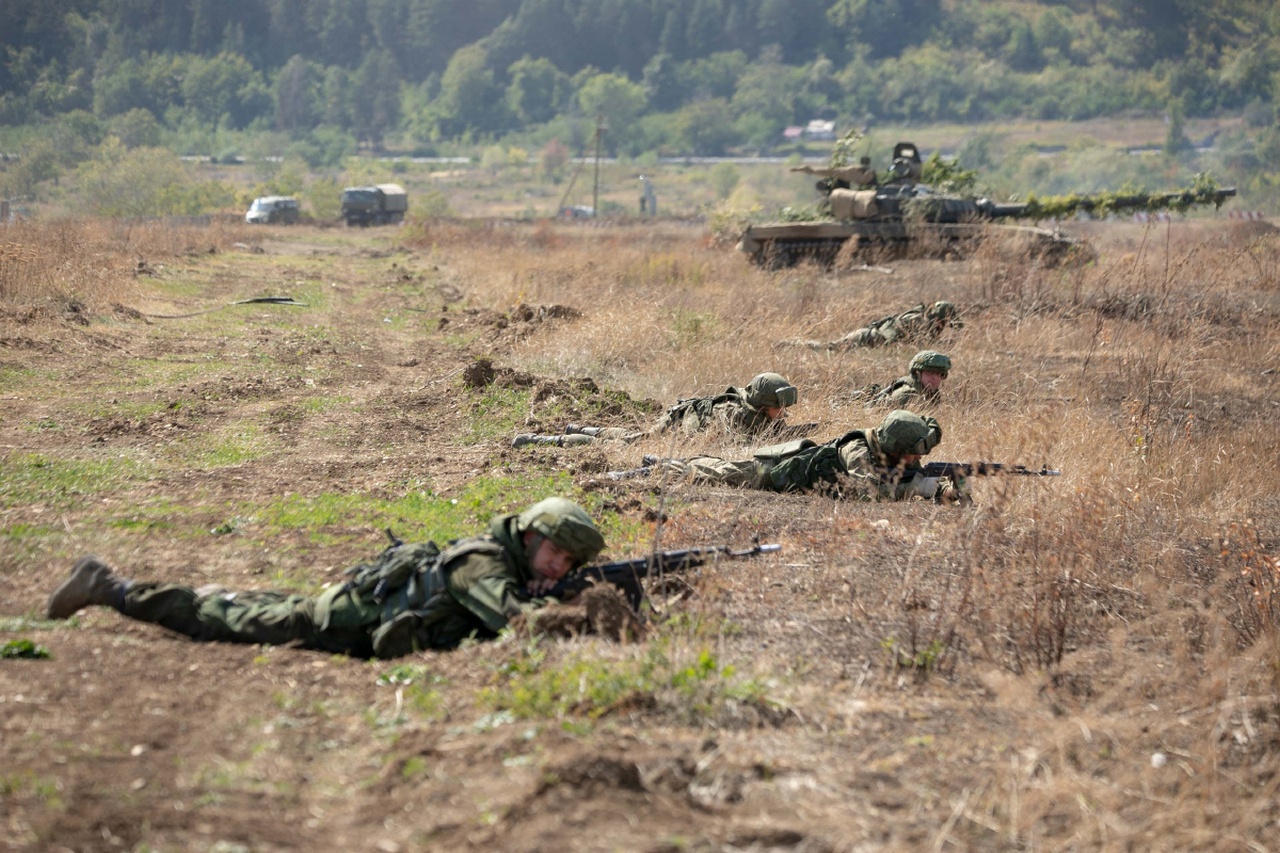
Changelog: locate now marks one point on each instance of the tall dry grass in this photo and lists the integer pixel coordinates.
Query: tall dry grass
(1125, 613)
(79, 267)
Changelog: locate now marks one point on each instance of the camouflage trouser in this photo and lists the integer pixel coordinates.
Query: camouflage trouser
(274, 618)
(871, 337)
(713, 469)
(858, 338)
(619, 434)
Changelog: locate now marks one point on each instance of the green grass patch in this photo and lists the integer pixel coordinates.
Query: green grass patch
(27, 785)
(691, 685)
(24, 648)
(692, 327)
(414, 515)
(21, 531)
(18, 624)
(33, 478)
(497, 412)
(221, 451)
(21, 378)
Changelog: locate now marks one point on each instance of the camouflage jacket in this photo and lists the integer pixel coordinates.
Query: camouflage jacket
(729, 410)
(902, 393)
(437, 599)
(850, 467)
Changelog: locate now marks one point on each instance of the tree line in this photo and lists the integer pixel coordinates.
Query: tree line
(696, 77)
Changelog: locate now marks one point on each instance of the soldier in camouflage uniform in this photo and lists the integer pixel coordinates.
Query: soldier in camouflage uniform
(922, 385)
(413, 597)
(915, 325)
(753, 410)
(865, 464)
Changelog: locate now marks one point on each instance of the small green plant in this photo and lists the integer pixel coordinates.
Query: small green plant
(24, 648)
(922, 660)
(414, 765)
(585, 688)
(690, 327)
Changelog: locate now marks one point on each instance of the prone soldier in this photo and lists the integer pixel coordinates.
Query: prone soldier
(880, 463)
(757, 409)
(926, 372)
(413, 597)
(918, 325)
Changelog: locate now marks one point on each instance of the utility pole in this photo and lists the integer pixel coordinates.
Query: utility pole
(595, 190)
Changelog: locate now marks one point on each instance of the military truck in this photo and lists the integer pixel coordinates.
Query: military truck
(380, 204)
(901, 215)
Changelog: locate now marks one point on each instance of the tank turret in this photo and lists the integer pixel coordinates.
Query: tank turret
(903, 214)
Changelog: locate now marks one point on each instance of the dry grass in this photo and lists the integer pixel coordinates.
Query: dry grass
(1124, 613)
(1081, 662)
(82, 267)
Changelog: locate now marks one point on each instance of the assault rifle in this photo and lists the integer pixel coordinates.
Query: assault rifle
(983, 469)
(626, 574)
(788, 432)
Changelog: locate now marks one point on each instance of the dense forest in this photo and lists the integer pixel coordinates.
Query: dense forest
(321, 79)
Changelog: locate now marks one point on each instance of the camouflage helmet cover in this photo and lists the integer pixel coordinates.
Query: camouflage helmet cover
(566, 524)
(945, 313)
(769, 390)
(930, 360)
(903, 432)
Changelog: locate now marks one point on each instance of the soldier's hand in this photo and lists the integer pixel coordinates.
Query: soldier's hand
(540, 586)
(957, 492)
(922, 487)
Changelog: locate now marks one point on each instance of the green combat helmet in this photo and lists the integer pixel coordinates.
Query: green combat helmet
(769, 390)
(566, 524)
(903, 432)
(930, 360)
(945, 314)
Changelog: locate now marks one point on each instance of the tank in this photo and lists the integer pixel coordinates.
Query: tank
(903, 216)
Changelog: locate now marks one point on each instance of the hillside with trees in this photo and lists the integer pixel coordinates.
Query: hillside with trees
(319, 80)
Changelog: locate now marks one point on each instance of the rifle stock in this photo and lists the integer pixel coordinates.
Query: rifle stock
(787, 432)
(626, 574)
(983, 469)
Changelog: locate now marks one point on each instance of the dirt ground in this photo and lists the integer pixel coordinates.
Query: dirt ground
(129, 737)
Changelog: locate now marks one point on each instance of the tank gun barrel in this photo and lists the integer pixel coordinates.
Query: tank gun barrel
(1105, 202)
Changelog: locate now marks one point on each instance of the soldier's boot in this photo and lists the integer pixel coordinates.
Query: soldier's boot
(643, 471)
(91, 582)
(816, 345)
(651, 459)
(525, 439)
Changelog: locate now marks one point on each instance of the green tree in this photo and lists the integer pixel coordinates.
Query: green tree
(469, 96)
(337, 98)
(297, 95)
(553, 159)
(537, 90)
(324, 196)
(143, 182)
(767, 90)
(376, 102)
(137, 128)
(715, 76)
(1176, 142)
(619, 101)
(705, 128)
(224, 87)
(886, 27)
(724, 178)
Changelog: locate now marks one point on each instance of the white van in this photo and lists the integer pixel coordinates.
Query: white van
(273, 208)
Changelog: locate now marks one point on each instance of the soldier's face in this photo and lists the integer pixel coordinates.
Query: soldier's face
(551, 561)
(773, 412)
(932, 379)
